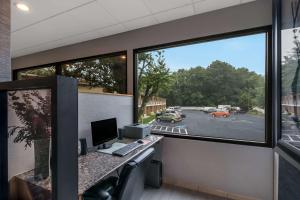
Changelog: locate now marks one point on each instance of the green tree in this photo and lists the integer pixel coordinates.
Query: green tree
(153, 75)
(106, 72)
(38, 72)
(219, 83)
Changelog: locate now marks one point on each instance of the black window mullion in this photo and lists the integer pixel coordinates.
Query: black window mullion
(58, 69)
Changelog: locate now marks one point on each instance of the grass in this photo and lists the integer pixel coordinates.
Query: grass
(148, 119)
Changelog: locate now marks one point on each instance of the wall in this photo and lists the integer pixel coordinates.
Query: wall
(5, 70)
(94, 107)
(222, 169)
(241, 17)
(235, 169)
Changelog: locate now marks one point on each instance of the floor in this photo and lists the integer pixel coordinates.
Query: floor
(174, 193)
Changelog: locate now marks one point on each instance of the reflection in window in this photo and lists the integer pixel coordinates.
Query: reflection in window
(29, 144)
(212, 89)
(99, 75)
(27, 74)
(291, 74)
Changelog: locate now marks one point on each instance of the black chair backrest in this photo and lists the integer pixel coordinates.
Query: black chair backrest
(132, 177)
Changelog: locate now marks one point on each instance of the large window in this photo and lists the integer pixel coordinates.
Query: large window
(36, 72)
(99, 74)
(212, 89)
(290, 79)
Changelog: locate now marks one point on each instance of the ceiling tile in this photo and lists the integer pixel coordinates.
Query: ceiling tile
(139, 23)
(53, 29)
(57, 43)
(92, 16)
(125, 10)
(210, 5)
(64, 22)
(161, 5)
(175, 14)
(38, 11)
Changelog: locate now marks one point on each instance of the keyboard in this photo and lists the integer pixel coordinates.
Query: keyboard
(127, 149)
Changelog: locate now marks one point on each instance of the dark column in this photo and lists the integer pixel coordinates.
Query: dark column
(5, 60)
(5, 75)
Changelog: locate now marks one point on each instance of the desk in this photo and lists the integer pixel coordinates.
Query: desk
(92, 168)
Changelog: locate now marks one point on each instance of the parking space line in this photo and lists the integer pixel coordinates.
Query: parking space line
(186, 131)
(290, 137)
(169, 129)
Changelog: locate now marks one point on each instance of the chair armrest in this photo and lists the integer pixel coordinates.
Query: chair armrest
(108, 185)
(102, 190)
(103, 195)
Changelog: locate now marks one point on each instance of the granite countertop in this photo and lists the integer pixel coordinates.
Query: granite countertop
(29, 177)
(94, 166)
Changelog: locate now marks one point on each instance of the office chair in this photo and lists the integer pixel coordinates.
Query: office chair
(130, 184)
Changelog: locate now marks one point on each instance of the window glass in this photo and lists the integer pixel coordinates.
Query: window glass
(290, 71)
(211, 89)
(33, 73)
(99, 75)
(29, 144)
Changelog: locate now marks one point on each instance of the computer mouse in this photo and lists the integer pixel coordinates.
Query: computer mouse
(140, 142)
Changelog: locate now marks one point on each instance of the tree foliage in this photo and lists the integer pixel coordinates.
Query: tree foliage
(153, 75)
(38, 72)
(218, 84)
(106, 73)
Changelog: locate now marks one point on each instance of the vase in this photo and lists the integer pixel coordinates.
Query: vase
(41, 158)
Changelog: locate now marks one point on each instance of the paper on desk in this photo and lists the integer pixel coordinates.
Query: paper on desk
(146, 141)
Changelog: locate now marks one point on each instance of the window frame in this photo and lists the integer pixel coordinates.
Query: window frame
(285, 150)
(269, 142)
(58, 65)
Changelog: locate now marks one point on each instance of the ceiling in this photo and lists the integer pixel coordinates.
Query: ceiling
(54, 23)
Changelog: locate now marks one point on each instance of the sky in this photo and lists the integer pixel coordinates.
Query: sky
(246, 51)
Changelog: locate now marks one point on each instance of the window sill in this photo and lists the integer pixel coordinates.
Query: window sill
(288, 152)
(104, 93)
(213, 139)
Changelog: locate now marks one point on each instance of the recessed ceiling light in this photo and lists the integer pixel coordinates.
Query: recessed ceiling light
(22, 6)
(123, 57)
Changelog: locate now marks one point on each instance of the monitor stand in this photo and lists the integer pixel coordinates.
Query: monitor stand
(105, 146)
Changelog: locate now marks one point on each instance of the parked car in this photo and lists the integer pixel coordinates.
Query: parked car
(178, 108)
(158, 113)
(210, 109)
(220, 114)
(178, 113)
(235, 109)
(170, 109)
(169, 117)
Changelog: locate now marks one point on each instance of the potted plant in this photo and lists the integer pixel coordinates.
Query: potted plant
(33, 109)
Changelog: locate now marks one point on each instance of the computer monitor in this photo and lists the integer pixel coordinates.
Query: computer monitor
(104, 131)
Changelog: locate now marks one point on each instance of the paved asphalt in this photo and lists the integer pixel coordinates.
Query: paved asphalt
(238, 126)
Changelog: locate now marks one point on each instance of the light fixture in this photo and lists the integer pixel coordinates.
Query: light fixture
(22, 6)
(123, 57)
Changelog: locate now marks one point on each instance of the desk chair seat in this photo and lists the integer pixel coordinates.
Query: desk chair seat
(130, 184)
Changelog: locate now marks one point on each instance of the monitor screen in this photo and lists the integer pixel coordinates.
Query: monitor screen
(104, 130)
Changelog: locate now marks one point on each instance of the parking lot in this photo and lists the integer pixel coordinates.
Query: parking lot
(237, 126)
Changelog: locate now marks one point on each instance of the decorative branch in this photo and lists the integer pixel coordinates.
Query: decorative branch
(34, 112)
